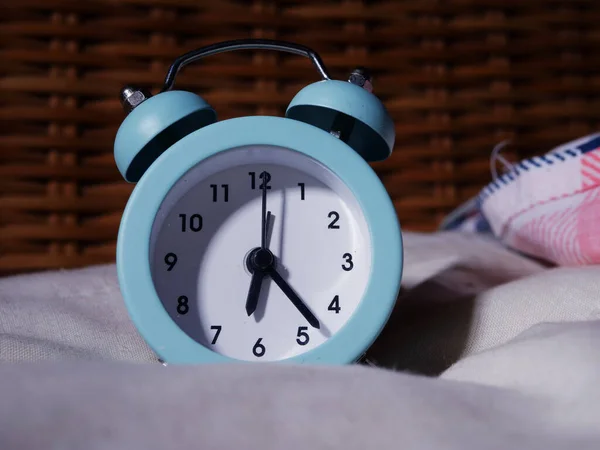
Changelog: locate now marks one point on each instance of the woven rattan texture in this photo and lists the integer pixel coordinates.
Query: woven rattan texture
(458, 76)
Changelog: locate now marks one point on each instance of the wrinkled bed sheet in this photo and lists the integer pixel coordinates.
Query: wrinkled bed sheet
(486, 350)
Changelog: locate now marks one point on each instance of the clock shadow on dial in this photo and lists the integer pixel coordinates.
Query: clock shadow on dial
(192, 247)
(201, 240)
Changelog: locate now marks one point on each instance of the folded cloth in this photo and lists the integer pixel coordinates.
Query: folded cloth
(539, 392)
(547, 206)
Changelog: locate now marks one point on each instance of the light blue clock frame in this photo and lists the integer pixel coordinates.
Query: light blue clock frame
(155, 325)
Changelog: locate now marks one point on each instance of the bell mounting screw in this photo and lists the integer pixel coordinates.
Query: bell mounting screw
(132, 97)
(361, 77)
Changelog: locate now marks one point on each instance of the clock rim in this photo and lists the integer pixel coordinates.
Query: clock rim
(147, 312)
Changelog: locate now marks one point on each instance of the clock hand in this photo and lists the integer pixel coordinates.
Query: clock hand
(263, 240)
(298, 303)
(258, 262)
(254, 291)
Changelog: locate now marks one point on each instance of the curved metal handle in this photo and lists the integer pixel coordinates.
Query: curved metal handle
(242, 44)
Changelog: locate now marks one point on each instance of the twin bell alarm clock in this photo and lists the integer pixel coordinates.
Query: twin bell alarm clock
(258, 239)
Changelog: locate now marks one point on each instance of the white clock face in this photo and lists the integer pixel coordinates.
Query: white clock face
(212, 219)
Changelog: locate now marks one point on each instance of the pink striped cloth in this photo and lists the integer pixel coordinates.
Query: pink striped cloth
(547, 207)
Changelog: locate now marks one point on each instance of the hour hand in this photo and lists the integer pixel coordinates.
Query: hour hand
(257, 262)
(298, 303)
(254, 291)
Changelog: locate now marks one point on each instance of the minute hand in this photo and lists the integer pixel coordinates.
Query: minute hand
(298, 303)
(263, 232)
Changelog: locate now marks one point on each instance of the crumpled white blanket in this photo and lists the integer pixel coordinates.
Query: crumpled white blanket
(486, 350)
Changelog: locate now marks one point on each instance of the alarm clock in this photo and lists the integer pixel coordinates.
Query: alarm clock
(261, 238)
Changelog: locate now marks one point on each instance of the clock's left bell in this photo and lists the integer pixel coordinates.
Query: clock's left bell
(155, 123)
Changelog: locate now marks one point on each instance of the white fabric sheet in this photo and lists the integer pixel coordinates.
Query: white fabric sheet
(485, 350)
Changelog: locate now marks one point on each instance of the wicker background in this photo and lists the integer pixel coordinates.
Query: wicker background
(458, 76)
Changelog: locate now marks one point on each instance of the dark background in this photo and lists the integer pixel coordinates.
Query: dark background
(457, 76)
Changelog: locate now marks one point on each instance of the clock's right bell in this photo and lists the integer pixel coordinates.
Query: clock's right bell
(348, 110)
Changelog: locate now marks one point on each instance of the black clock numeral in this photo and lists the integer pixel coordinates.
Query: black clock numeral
(350, 264)
(258, 350)
(170, 260)
(182, 305)
(335, 305)
(303, 337)
(336, 217)
(218, 329)
(301, 190)
(264, 176)
(215, 192)
(194, 223)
